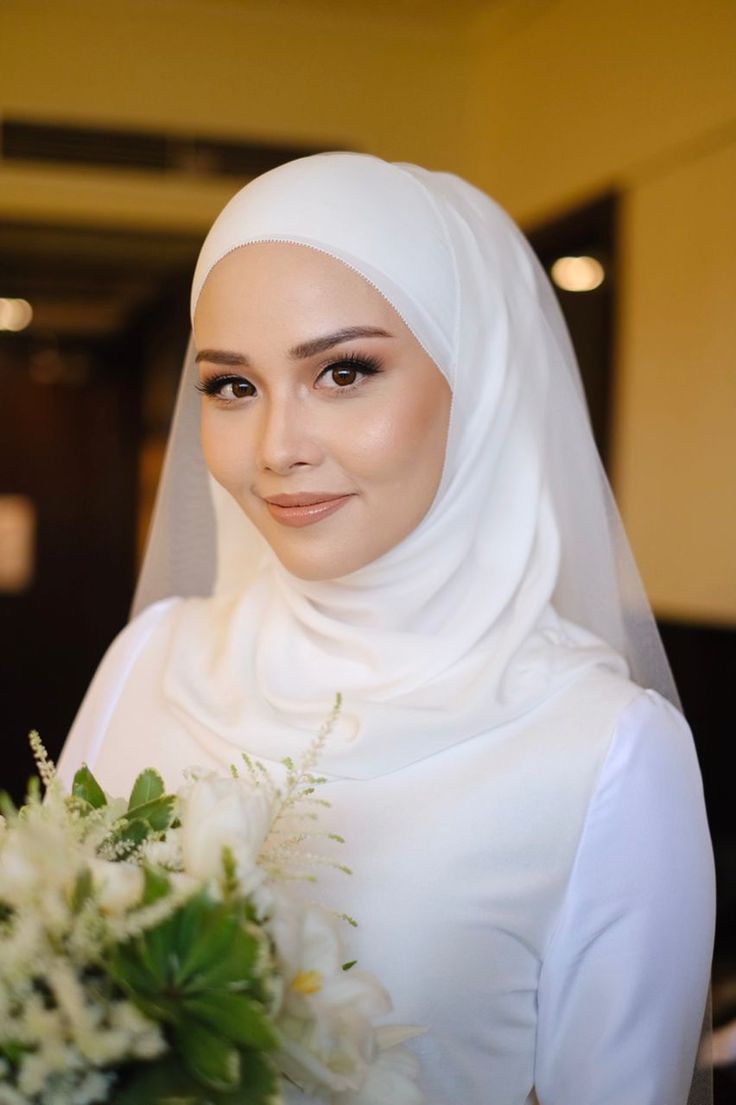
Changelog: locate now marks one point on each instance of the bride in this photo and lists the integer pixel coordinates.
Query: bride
(397, 497)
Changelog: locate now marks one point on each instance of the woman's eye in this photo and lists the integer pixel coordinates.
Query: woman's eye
(227, 388)
(343, 376)
(347, 373)
(239, 389)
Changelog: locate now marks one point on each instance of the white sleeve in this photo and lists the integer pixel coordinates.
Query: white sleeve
(624, 981)
(88, 730)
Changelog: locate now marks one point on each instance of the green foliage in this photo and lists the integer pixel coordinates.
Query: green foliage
(156, 813)
(204, 973)
(86, 787)
(156, 885)
(82, 890)
(148, 786)
(166, 1082)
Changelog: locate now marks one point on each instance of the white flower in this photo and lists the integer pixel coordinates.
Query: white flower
(325, 1015)
(118, 885)
(164, 853)
(18, 871)
(39, 856)
(218, 813)
(392, 1076)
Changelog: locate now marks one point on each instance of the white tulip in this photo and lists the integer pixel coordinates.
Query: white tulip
(392, 1076)
(218, 813)
(325, 1016)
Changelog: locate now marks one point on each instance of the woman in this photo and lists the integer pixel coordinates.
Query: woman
(408, 508)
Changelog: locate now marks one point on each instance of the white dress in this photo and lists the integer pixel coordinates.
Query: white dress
(540, 898)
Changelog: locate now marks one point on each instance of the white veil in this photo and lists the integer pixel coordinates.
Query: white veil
(598, 586)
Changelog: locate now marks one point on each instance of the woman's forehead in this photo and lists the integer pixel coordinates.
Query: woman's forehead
(296, 288)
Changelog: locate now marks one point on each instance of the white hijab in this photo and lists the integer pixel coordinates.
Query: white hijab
(519, 579)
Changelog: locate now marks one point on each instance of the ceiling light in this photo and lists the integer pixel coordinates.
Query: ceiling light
(15, 314)
(578, 274)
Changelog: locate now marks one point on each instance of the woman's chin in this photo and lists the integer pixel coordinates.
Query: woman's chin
(320, 569)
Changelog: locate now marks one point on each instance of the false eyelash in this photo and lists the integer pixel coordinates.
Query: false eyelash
(212, 385)
(367, 364)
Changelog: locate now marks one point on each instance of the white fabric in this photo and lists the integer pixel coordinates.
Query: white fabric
(539, 897)
(509, 587)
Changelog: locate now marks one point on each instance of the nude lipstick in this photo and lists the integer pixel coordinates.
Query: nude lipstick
(303, 509)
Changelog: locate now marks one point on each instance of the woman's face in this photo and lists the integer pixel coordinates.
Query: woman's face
(321, 414)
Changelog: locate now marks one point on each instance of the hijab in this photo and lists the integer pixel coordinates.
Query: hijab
(516, 584)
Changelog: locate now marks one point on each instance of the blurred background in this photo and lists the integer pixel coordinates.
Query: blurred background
(607, 129)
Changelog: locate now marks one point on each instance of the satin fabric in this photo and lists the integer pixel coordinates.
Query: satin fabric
(539, 898)
(457, 629)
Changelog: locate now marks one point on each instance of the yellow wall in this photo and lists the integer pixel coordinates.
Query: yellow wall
(676, 448)
(568, 97)
(325, 75)
(566, 100)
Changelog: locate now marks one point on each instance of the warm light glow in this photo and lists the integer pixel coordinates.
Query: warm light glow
(15, 314)
(17, 542)
(578, 274)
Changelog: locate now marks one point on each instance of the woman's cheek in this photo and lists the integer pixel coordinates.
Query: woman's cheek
(226, 451)
(379, 445)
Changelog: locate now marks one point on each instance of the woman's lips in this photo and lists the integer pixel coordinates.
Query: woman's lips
(303, 510)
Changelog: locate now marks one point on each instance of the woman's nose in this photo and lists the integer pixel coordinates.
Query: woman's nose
(286, 437)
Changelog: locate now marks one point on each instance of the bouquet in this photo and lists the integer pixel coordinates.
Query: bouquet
(157, 951)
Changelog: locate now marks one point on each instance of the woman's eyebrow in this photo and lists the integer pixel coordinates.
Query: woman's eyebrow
(223, 357)
(304, 349)
(319, 345)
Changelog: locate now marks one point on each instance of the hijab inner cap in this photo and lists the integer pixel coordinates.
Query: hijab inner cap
(517, 581)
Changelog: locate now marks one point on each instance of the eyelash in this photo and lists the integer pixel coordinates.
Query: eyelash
(366, 365)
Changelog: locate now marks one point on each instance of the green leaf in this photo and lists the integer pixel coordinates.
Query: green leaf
(167, 1082)
(82, 889)
(13, 1051)
(157, 813)
(132, 834)
(155, 885)
(8, 808)
(203, 967)
(148, 785)
(162, 1082)
(86, 787)
(33, 790)
(210, 1058)
(260, 1084)
(234, 1016)
(219, 949)
(128, 965)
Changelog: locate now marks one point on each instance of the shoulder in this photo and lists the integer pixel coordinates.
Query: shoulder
(651, 745)
(110, 679)
(134, 636)
(647, 811)
(132, 640)
(645, 836)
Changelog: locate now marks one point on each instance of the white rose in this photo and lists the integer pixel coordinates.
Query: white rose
(218, 813)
